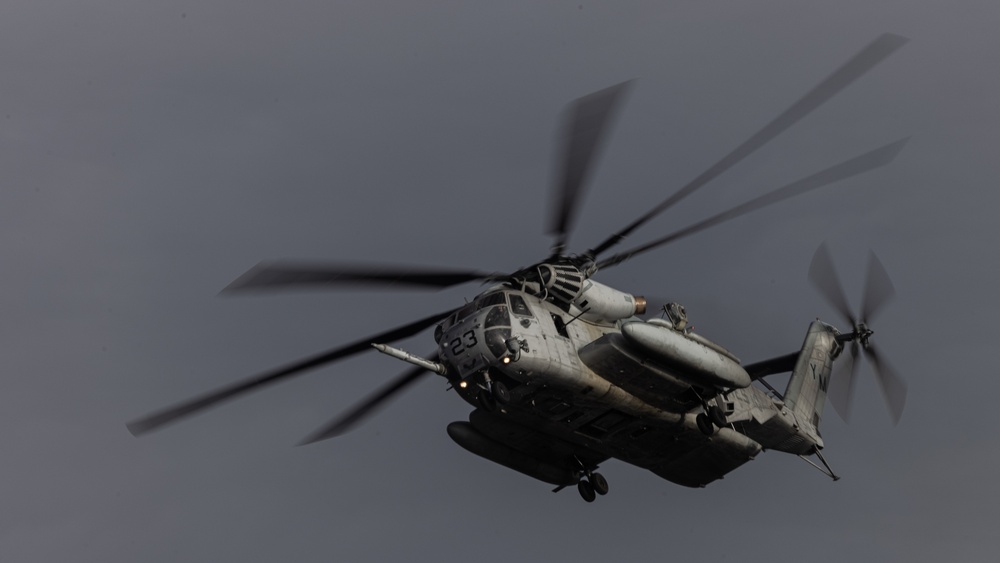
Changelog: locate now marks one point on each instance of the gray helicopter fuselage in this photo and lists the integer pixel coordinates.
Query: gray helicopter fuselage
(589, 385)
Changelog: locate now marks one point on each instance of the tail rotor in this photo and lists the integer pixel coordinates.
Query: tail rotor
(878, 291)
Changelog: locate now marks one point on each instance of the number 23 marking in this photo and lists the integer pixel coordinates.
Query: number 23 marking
(459, 345)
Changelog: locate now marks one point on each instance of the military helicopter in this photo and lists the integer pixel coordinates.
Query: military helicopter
(562, 372)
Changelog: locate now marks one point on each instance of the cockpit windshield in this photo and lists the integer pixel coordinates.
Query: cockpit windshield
(498, 316)
(488, 300)
(495, 321)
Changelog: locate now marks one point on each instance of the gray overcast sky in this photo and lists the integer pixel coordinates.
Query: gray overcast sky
(152, 152)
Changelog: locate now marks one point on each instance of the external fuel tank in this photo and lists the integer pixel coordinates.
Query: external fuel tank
(688, 356)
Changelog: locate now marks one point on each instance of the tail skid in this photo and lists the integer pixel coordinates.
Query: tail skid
(826, 469)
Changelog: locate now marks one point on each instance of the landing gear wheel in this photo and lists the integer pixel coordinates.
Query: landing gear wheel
(500, 392)
(586, 490)
(717, 416)
(704, 424)
(486, 400)
(599, 483)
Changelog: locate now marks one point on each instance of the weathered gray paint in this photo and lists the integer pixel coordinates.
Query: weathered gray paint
(563, 387)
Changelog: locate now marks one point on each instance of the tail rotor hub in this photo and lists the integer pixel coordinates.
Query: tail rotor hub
(862, 334)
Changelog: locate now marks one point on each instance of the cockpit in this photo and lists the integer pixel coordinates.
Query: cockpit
(477, 335)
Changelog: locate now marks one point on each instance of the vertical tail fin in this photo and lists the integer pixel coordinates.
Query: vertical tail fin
(806, 391)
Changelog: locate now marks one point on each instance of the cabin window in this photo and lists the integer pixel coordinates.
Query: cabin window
(518, 305)
(560, 325)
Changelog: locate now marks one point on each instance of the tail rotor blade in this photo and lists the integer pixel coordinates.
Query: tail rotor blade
(842, 386)
(892, 385)
(823, 275)
(878, 288)
(366, 408)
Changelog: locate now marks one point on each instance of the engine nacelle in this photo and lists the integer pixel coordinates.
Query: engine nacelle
(600, 303)
(591, 301)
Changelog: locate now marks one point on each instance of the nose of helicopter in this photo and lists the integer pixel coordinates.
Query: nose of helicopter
(478, 340)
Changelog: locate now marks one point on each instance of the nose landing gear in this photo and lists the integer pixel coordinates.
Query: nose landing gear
(495, 394)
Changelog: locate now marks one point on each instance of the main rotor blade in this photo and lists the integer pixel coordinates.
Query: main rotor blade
(187, 408)
(366, 408)
(271, 275)
(878, 288)
(587, 124)
(824, 276)
(842, 387)
(858, 165)
(892, 385)
(853, 69)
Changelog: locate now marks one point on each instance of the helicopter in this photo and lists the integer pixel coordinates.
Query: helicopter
(563, 372)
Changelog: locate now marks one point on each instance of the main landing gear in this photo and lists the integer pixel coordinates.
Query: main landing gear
(708, 420)
(591, 485)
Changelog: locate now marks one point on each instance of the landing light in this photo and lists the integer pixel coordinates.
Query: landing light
(506, 359)
(463, 384)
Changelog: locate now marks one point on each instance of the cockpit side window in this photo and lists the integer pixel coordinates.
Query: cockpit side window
(466, 311)
(518, 306)
(449, 321)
